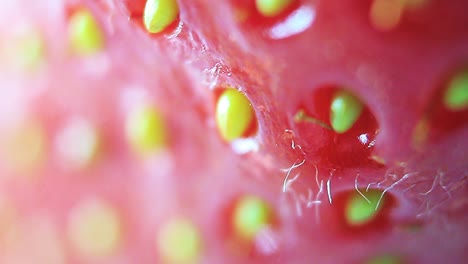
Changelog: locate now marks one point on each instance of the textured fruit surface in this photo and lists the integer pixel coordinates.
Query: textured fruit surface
(342, 137)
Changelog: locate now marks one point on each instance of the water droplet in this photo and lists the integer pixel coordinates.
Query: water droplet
(297, 22)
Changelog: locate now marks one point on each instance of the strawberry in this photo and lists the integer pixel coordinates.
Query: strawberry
(251, 131)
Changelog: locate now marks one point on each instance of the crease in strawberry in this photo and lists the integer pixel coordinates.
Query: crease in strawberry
(85, 34)
(235, 116)
(179, 241)
(159, 14)
(95, 228)
(78, 143)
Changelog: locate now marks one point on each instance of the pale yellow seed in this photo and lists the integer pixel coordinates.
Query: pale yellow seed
(27, 48)
(234, 114)
(364, 206)
(386, 14)
(251, 215)
(85, 34)
(95, 229)
(271, 8)
(159, 14)
(421, 132)
(23, 147)
(377, 159)
(179, 242)
(146, 130)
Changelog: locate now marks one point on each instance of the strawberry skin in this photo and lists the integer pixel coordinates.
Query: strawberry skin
(112, 150)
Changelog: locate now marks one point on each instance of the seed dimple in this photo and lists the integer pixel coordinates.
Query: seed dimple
(159, 14)
(251, 215)
(146, 130)
(179, 241)
(456, 95)
(85, 34)
(362, 208)
(234, 114)
(94, 228)
(272, 8)
(345, 111)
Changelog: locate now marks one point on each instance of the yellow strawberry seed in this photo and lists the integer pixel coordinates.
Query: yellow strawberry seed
(360, 210)
(272, 8)
(85, 34)
(251, 215)
(159, 14)
(345, 111)
(95, 229)
(29, 48)
(234, 114)
(386, 14)
(146, 130)
(456, 95)
(179, 242)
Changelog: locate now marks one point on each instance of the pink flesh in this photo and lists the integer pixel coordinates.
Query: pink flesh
(396, 74)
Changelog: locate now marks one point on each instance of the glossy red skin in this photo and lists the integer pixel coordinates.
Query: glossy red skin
(278, 76)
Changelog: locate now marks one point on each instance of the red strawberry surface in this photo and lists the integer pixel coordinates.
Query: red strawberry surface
(164, 131)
